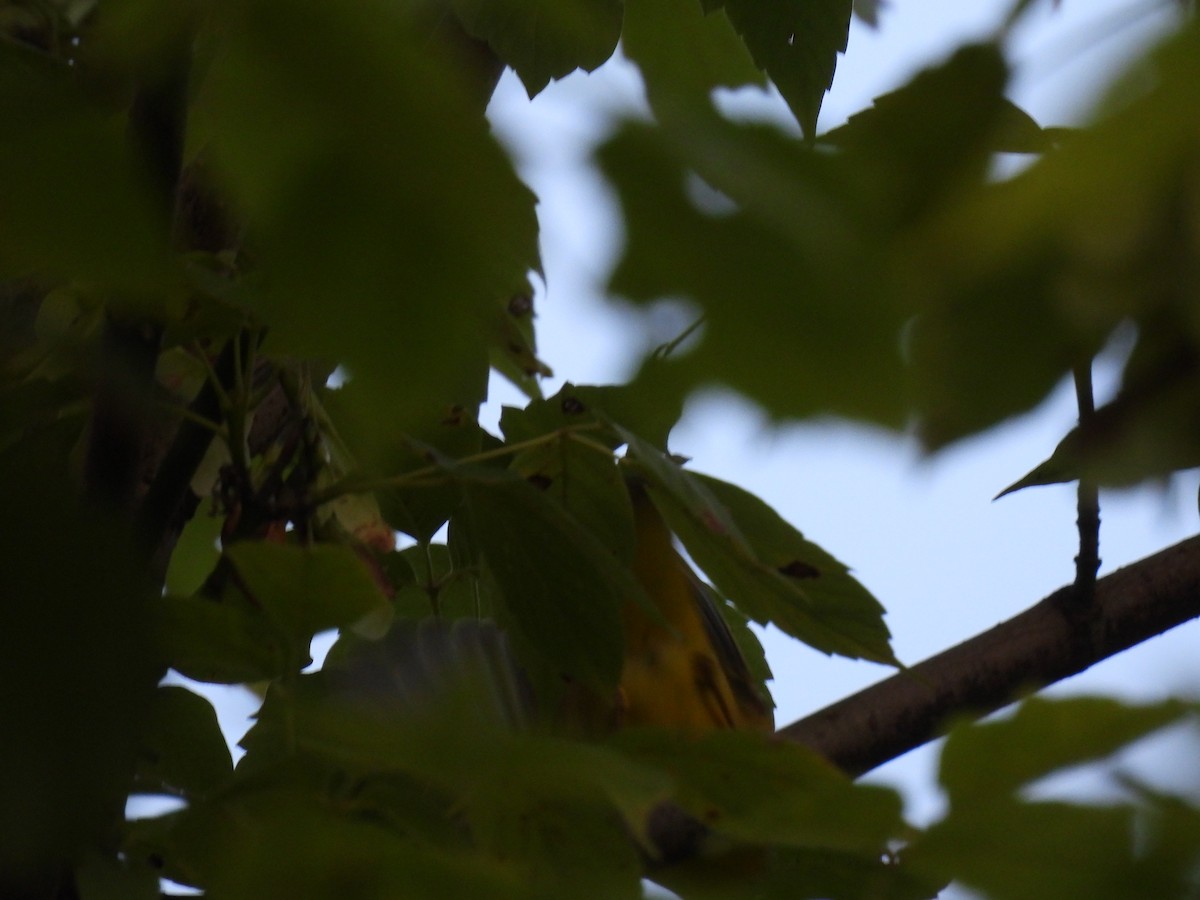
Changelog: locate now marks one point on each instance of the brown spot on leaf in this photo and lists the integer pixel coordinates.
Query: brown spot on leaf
(573, 406)
(520, 305)
(798, 569)
(541, 482)
(455, 415)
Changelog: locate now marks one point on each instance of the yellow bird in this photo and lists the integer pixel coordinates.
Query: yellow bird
(686, 671)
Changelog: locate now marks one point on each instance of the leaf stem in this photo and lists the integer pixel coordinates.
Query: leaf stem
(352, 485)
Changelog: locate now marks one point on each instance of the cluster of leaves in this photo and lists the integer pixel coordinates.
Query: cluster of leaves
(366, 218)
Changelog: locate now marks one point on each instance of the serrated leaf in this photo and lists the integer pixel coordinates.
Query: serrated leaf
(937, 133)
(990, 759)
(649, 405)
(544, 39)
(796, 42)
(684, 53)
(561, 585)
(307, 589)
(586, 481)
(182, 749)
(769, 572)
(514, 346)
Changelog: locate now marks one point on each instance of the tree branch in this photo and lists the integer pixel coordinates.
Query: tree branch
(1030, 651)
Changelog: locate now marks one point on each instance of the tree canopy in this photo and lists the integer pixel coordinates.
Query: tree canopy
(257, 262)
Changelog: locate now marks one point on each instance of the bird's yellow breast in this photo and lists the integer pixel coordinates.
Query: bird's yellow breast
(684, 671)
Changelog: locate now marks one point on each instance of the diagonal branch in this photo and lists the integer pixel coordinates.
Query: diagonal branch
(1029, 651)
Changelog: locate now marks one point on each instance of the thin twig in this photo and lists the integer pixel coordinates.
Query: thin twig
(1087, 563)
(355, 485)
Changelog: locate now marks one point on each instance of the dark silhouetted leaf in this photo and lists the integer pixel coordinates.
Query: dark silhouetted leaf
(182, 748)
(684, 53)
(796, 42)
(544, 39)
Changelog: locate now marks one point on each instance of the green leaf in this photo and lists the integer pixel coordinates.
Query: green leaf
(432, 715)
(220, 641)
(1063, 465)
(422, 706)
(183, 749)
(1150, 429)
(585, 480)
(446, 425)
(796, 42)
(245, 847)
(514, 346)
(748, 787)
(544, 39)
(1025, 279)
(74, 207)
(195, 554)
(351, 142)
(990, 759)
(798, 313)
(1036, 851)
(964, 376)
(767, 568)
(649, 405)
(308, 589)
(937, 133)
(561, 585)
(684, 53)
